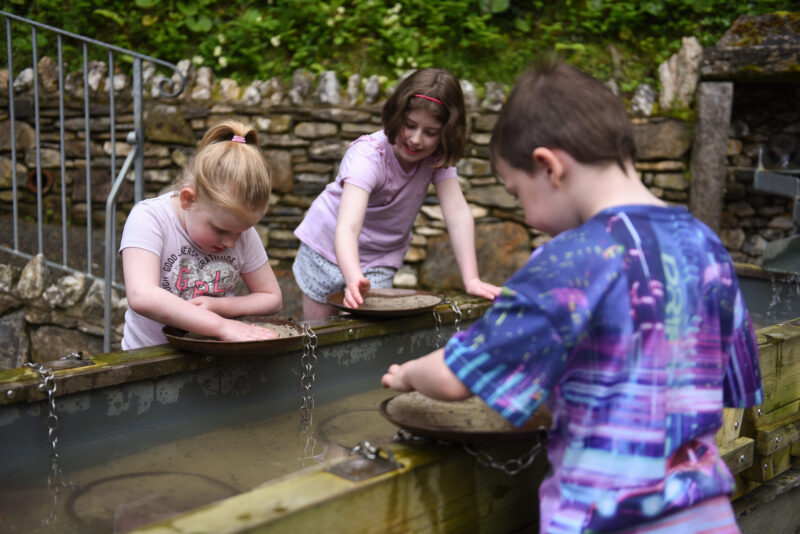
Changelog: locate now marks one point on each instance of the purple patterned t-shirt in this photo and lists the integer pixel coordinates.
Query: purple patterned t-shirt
(632, 328)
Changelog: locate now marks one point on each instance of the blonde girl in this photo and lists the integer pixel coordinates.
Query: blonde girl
(356, 233)
(184, 251)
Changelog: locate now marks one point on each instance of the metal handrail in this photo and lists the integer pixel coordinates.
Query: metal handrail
(167, 87)
(111, 234)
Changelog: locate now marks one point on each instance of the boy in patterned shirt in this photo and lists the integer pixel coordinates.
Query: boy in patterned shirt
(629, 324)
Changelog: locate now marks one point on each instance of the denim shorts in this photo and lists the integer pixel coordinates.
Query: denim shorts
(318, 277)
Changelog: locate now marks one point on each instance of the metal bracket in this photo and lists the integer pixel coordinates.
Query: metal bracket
(368, 464)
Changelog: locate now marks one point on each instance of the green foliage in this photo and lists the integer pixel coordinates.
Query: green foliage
(479, 40)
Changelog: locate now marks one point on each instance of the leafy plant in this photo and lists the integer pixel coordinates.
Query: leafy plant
(479, 40)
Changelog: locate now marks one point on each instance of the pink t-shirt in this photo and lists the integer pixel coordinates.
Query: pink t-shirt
(395, 197)
(186, 270)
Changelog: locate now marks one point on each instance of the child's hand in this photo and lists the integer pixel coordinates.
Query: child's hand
(394, 379)
(353, 293)
(482, 289)
(239, 331)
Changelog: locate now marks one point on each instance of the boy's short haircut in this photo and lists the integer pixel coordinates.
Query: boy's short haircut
(554, 105)
(438, 84)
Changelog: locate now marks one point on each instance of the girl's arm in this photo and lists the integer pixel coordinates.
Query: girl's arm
(349, 221)
(142, 269)
(264, 297)
(461, 228)
(429, 375)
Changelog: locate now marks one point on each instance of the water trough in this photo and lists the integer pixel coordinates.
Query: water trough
(158, 440)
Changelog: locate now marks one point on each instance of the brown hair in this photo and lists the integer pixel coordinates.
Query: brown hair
(554, 105)
(229, 174)
(441, 85)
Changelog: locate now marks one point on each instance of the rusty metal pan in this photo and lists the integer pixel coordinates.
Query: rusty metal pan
(291, 337)
(469, 421)
(379, 303)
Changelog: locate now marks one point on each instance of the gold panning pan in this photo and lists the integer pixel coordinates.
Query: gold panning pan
(391, 302)
(468, 421)
(290, 335)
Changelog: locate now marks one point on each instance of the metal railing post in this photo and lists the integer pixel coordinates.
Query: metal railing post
(138, 129)
(168, 88)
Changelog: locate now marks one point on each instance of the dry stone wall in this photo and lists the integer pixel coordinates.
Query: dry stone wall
(304, 129)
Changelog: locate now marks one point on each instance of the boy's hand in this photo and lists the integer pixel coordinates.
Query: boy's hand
(482, 289)
(353, 293)
(394, 379)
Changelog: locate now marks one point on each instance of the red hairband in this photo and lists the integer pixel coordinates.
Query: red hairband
(426, 97)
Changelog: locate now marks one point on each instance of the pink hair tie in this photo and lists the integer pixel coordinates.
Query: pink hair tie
(238, 139)
(426, 97)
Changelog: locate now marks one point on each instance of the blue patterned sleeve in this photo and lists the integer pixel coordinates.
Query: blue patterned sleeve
(511, 358)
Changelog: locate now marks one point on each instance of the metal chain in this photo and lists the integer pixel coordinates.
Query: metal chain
(403, 436)
(308, 364)
(437, 322)
(511, 466)
(457, 313)
(54, 478)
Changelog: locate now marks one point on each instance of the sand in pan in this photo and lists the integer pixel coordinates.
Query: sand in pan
(401, 303)
(282, 330)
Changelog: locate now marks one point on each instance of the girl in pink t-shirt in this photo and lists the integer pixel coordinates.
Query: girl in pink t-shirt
(355, 234)
(183, 252)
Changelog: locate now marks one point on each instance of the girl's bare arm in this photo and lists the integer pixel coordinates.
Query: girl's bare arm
(352, 209)
(461, 228)
(264, 297)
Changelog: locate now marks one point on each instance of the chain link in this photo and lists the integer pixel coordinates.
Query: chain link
(54, 476)
(437, 322)
(457, 313)
(512, 466)
(308, 364)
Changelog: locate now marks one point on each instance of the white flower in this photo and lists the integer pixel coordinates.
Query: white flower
(223, 61)
(330, 22)
(275, 40)
(340, 10)
(217, 51)
(221, 38)
(399, 62)
(197, 60)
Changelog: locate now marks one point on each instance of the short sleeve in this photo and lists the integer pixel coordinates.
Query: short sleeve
(742, 380)
(444, 174)
(362, 164)
(512, 358)
(253, 253)
(144, 228)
